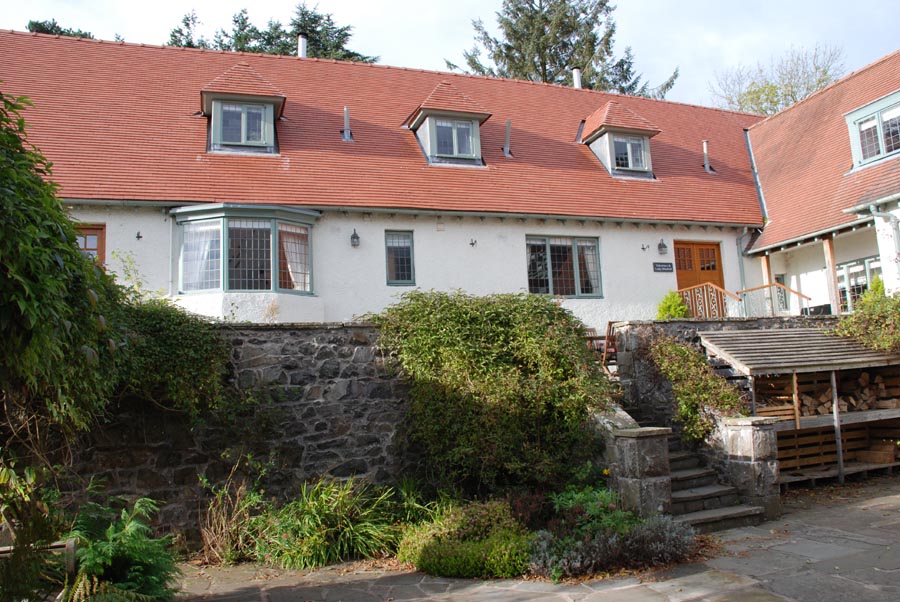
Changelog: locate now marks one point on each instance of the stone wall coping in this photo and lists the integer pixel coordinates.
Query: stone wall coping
(294, 325)
(749, 421)
(640, 433)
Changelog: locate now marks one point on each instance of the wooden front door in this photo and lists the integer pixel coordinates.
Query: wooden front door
(698, 263)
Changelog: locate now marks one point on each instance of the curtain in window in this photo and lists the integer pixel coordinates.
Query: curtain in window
(538, 277)
(249, 254)
(463, 138)
(201, 255)
(293, 257)
(562, 266)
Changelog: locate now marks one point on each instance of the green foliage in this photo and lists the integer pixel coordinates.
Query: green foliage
(672, 307)
(53, 28)
(590, 510)
(501, 387)
(700, 394)
(543, 41)
(325, 39)
(329, 522)
(226, 527)
(875, 320)
(174, 358)
(116, 547)
(478, 539)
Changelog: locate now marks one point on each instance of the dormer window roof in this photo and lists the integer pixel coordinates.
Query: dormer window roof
(242, 106)
(620, 138)
(448, 127)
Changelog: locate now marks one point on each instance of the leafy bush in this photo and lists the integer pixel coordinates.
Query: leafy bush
(672, 307)
(226, 527)
(875, 321)
(501, 387)
(330, 522)
(700, 394)
(478, 539)
(174, 358)
(584, 512)
(120, 554)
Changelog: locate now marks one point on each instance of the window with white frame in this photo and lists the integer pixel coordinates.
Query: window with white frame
(399, 258)
(563, 266)
(854, 278)
(243, 126)
(875, 129)
(263, 253)
(628, 152)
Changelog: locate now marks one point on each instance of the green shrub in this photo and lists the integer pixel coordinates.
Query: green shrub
(672, 307)
(330, 522)
(501, 387)
(120, 552)
(700, 394)
(875, 321)
(174, 358)
(478, 539)
(584, 512)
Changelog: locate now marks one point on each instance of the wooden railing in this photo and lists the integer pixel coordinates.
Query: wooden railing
(770, 300)
(708, 300)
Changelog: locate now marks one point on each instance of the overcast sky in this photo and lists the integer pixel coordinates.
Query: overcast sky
(700, 37)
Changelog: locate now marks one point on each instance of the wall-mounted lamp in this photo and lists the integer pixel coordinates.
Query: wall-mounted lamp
(663, 249)
(644, 247)
(138, 235)
(354, 239)
(472, 242)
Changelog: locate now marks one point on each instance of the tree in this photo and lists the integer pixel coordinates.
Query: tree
(325, 39)
(54, 28)
(544, 40)
(769, 89)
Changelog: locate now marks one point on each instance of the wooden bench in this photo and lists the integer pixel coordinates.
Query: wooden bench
(67, 548)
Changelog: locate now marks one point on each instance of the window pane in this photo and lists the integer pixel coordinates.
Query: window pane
(890, 125)
(621, 151)
(588, 268)
(201, 255)
(255, 119)
(538, 277)
(637, 153)
(562, 266)
(463, 138)
(249, 254)
(293, 257)
(868, 138)
(399, 257)
(444, 131)
(231, 123)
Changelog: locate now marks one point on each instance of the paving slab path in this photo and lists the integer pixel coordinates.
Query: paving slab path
(833, 544)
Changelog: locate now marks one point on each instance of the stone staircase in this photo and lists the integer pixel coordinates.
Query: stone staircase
(700, 499)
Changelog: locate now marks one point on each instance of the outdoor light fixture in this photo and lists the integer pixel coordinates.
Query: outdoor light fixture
(354, 239)
(663, 249)
(138, 235)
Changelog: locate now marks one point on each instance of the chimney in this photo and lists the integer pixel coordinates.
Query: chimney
(346, 135)
(576, 78)
(706, 158)
(506, 151)
(301, 46)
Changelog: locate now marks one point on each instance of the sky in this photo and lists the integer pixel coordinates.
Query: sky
(700, 37)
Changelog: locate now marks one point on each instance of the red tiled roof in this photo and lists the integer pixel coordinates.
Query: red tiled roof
(241, 78)
(614, 115)
(805, 163)
(153, 147)
(445, 97)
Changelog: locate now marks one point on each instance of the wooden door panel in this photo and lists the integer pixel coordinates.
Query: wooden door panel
(697, 263)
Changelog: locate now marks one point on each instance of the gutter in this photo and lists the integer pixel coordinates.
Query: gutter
(759, 192)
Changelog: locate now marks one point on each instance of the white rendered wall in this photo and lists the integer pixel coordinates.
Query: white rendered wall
(349, 282)
(151, 254)
(804, 266)
(890, 269)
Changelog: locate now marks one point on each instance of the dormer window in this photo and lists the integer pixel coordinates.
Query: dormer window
(875, 129)
(620, 139)
(236, 125)
(448, 127)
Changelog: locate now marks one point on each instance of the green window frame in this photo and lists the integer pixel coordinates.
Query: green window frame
(241, 249)
(400, 265)
(563, 266)
(875, 130)
(240, 125)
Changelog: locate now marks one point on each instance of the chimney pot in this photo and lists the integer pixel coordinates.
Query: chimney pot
(576, 78)
(301, 46)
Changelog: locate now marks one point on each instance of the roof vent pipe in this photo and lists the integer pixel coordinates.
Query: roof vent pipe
(302, 43)
(506, 152)
(706, 158)
(576, 78)
(346, 134)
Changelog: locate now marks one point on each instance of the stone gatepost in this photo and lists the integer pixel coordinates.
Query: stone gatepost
(750, 460)
(641, 470)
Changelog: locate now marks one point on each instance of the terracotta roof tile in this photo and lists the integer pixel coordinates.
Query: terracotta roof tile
(805, 162)
(614, 115)
(153, 147)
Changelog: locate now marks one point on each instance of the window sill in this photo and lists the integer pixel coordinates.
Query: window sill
(219, 291)
(401, 283)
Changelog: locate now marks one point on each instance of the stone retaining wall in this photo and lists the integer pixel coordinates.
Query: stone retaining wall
(323, 404)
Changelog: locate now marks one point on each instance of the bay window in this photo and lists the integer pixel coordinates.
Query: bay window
(563, 266)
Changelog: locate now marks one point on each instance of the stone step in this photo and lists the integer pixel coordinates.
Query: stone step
(719, 519)
(707, 497)
(681, 460)
(691, 478)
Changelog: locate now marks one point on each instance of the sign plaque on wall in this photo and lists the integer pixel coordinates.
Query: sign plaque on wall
(663, 266)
